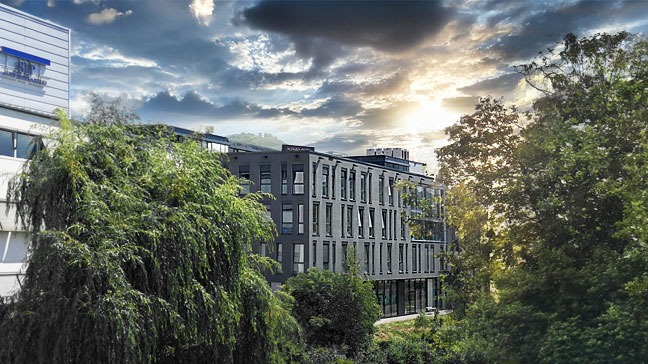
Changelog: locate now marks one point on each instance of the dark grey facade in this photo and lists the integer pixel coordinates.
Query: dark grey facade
(326, 205)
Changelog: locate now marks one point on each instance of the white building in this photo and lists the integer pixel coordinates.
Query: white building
(34, 82)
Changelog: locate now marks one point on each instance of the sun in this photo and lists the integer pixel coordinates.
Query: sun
(427, 115)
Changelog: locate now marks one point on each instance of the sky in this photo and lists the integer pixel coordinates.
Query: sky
(341, 76)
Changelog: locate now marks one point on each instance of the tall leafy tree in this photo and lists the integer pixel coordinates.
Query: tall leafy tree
(139, 255)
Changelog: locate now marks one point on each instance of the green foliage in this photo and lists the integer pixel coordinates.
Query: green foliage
(139, 255)
(334, 309)
(561, 214)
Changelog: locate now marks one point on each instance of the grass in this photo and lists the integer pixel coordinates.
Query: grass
(400, 329)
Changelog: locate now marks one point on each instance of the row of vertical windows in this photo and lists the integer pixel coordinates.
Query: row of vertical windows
(265, 178)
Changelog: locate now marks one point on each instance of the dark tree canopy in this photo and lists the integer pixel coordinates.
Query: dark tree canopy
(139, 255)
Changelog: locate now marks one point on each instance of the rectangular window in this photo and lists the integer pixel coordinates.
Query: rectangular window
(244, 173)
(390, 192)
(343, 184)
(345, 252)
(371, 222)
(325, 181)
(389, 258)
(401, 262)
(286, 219)
(380, 261)
(381, 190)
(333, 181)
(13, 247)
(432, 258)
(342, 220)
(279, 253)
(427, 258)
(314, 254)
(390, 224)
(298, 179)
(414, 265)
(19, 145)
(360, 221)
(333, 256)
(402, 227)
(316, 219)
(363, 187)
(366, 258)
(373, 258)
(284, 179)
(298, 258)
(384, 224)
(300, 218)
(352, 180)
(326, 255)
(265, 178)
(370, 187)
(329, 219)
(314, 179)
(349, 227)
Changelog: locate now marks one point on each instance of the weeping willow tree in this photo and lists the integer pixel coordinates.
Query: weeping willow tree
(139, 255)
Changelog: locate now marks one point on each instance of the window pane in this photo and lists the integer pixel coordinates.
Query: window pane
(17, 250)
(6, 143)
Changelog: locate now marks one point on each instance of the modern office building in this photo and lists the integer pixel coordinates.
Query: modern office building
(34, 82)
(325, 205)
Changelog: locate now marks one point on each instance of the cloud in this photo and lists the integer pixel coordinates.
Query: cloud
(203, 10)
(388, 117)
(107, 16)
(497, 86)
(385, 25)
(337, 107)
(462, 104)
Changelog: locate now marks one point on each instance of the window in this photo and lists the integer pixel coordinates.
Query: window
(342, 220)
(370, 187)
(286, 219)
(325, 181)
(402, 227)
(314, 253)
(390, 223)
(284, 179)
(366, 258)
(380, 261)
(333, 182)
(349, 227)
(343, 184)
(432, 258)
(244, 172)
(265, 178)
(352, 178)
(389, 258)
(326, 255)
(401, 262)
(298, 179)
(334, 260)
(263, 250)
(384, 224)
(300, 218)
(19, 145)
(373, 258)
(279, 253)
(329, 219)
(298, 258)
(390, 192)
(414, 265)
(315, 218)
(363, 187)
(360, 222)
(345, 252)
(371, 222)
(14, 246)
(427, 258)
(381, 190)
(314, 179)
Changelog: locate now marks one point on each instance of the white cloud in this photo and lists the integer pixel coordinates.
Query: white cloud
(203, 10)
(107, 16)
(109, 55)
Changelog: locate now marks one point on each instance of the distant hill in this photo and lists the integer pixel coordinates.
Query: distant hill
(265, 140)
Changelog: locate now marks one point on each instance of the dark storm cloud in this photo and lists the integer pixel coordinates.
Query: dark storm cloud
(192, 105)
(348, 142)
(543, 28)
(385, 25)
(498, 86)
(337, 107)
(463, 104)
(388, 85)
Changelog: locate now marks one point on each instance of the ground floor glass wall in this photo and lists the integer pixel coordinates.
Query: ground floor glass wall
(407, 296)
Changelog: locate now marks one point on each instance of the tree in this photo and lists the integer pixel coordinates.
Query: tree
(139, 255)
(334, 309)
